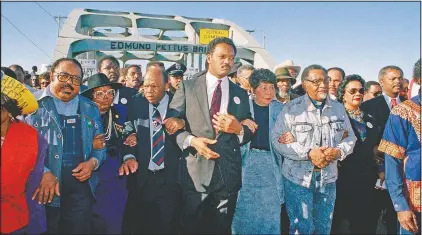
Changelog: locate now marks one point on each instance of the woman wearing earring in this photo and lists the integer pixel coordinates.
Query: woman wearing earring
(357, 174)
(111, 193)
(259, 200)
(22, 160)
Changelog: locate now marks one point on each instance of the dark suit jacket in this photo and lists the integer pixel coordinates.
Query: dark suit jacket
(360, 165)
(140, 122)
(377, 109)
(190, 103)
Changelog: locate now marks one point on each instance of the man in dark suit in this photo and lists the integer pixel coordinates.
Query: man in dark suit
(110, 66)
(154, 194)
(212, 108)
(378, 109)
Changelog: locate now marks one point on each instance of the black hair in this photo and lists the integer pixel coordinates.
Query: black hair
(107, 57)
(133, 65)
(417, 70)
(259, 76)
(342, 87)
(213, 44)
(307, 70)
(17, 67)
(9, 72)
(57, 62)
(338, 69)
(34, 68)
(383, 71)
(154, 63)
(11, 106)
(368, 84)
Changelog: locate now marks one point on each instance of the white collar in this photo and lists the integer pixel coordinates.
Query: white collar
(388, 98)
(211, 79)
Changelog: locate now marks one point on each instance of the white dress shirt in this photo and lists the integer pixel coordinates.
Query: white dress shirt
(162, 108)
(388, 100)
(212, 83)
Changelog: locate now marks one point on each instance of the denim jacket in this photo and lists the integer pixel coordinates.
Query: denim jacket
(312, 128)
(47, 121)
(275, 109)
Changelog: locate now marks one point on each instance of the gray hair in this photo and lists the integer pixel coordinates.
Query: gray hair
(245, 67)
(308, 69)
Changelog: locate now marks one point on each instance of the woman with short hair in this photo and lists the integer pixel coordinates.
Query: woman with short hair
(357, 174)
(261, 196)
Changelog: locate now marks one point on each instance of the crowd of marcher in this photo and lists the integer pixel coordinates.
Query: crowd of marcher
(235, 149)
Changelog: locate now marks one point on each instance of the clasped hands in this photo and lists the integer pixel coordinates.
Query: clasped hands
(320, 156)
(222, 122)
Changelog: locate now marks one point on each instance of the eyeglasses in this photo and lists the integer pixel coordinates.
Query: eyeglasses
(45, 83)
(64, 77)
(354, 91)
(319, 81)
(101, 94)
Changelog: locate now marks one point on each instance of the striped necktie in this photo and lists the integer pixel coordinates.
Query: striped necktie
(157, 137)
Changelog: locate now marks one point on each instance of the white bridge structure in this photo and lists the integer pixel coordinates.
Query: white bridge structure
(89, 34)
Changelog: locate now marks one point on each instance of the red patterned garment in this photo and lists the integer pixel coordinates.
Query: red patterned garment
(18, 155)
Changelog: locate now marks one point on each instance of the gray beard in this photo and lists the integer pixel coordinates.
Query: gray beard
(283, 94)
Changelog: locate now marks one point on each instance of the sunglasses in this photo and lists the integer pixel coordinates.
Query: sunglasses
(101, 94)
(354, 91)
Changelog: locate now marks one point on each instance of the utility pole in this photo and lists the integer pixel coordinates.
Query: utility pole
(59, 17)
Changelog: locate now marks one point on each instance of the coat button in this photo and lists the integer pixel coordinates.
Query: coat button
(56, 157)
(59, 136)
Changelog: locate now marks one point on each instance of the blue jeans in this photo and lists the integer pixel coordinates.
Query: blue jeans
(404, 231)
(310, 209)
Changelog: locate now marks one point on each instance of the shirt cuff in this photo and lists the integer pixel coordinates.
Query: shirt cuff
(400, 204)
(128, 156)
(46, 169)
(187, 141)
(96, 163)
(241, 136)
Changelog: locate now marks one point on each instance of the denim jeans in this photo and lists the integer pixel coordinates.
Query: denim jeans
(404, 231)
(310, 209)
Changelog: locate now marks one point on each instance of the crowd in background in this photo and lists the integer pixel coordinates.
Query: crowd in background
(235, 149)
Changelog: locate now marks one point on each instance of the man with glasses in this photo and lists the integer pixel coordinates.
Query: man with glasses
(243, 74)
(71, 124)
(44, 80)
(312, 132)
(372, 90)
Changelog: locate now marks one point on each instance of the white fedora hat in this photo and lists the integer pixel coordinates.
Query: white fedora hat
(289, 64)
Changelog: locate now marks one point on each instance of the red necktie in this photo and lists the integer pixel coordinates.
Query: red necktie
(216, 100)
(393, 103)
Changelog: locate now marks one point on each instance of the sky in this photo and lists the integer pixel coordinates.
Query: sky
(360, 37)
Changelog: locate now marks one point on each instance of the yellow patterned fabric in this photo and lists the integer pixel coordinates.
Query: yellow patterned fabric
(391, 149)
(414, 194)
(411, 112)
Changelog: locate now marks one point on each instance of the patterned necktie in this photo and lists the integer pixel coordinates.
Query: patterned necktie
(216, 100)
(157, 137)
(393, 103)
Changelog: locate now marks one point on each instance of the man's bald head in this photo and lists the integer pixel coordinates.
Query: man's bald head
(154, 84)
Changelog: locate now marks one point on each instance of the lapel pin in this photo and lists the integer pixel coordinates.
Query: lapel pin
(236, 100)
(369, 125)
(123, 100)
